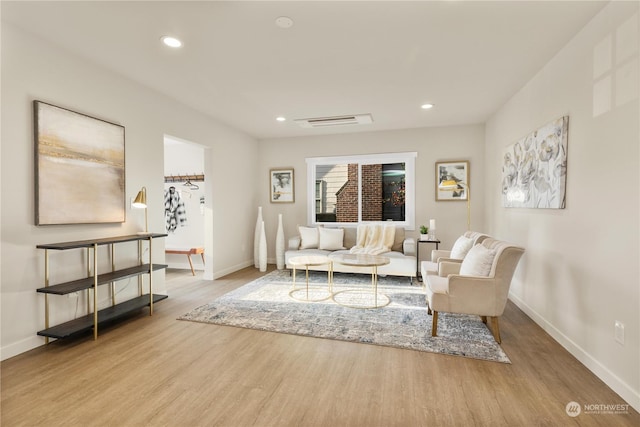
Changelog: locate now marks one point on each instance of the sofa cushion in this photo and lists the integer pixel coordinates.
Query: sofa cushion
(398, 239)
(330, 239)
(309, 237)
(349, 237)
(478, 261)
(461, 247)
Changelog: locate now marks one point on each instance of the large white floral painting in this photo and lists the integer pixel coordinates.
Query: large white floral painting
(534, 169)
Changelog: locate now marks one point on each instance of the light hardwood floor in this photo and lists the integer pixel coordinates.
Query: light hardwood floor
(159, 371)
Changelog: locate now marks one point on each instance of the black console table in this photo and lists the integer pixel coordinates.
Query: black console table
(94, 279)
(435, 242)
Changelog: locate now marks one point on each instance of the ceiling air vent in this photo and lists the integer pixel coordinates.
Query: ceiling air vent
(319, 122)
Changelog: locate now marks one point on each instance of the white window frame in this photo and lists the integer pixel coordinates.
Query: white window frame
(318, 198)
(409, 160)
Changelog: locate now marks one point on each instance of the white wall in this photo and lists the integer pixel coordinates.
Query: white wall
(34, 69)
(580, 270)
(431, 144)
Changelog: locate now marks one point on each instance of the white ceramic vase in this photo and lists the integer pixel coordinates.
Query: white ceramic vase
(280, 244)
(256, 239)
(262, 249)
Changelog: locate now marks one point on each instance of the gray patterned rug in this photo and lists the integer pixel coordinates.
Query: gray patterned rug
(265, 304)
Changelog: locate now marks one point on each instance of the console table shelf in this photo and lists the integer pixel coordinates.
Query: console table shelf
(100, 242)
(94, 317)
(85, 323)
(88, 282)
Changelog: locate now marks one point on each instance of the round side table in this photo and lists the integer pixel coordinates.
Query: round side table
(362, 260)
(317, 293)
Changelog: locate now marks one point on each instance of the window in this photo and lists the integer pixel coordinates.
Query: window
(351, 189)
(320, 197)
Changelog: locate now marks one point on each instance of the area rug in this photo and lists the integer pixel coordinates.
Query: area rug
(265, 304)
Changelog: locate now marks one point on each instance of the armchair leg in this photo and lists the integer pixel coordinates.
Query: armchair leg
(484, 319)
(495, 329)
(434, 325)
(428, 308)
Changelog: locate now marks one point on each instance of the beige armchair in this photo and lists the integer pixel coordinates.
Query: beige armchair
(481, 287)
(457, 253)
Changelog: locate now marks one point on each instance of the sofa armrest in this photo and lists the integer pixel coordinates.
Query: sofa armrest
(439, 253)
(446, 268)
(409, 246)
(294, 243)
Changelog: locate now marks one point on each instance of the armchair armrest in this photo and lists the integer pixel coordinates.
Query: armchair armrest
(439, 253)
(409, 246)
(294, 243)
(446, 268)
(443, 259)
(475, 295)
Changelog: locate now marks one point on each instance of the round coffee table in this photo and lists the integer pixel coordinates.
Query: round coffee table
(306, 262)
(362, 260)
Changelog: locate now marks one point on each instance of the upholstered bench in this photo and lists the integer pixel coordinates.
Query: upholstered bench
(188, 252)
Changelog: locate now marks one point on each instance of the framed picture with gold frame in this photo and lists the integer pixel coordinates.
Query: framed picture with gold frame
(452, 181)
(79, 168)
(281, 185)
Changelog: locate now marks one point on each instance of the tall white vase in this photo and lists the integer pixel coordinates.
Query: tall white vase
(262, 249)
(280, 244)
(256, 239)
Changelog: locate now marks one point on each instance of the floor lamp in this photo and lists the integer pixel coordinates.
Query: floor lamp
(453, 186)
(468, 189)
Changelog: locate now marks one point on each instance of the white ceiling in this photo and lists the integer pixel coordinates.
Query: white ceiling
(384, 58)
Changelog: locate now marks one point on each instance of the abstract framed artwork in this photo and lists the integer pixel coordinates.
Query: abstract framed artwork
(79, 168)
(452, 181)
(534, 169)
(281, 185)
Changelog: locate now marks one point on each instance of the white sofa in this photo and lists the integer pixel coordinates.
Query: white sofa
(402, 255)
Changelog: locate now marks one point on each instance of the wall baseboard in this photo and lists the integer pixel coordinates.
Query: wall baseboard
(631, 396)
(19, 347)
(220, 273)
(185, 266)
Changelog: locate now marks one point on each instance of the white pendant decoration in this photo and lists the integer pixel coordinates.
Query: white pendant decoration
(280, 244)
(262, 251)
(256, 239)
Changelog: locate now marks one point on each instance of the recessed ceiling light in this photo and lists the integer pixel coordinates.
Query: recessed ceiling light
(171, 41)
(426, 106)
(281, 119)
(284, 22)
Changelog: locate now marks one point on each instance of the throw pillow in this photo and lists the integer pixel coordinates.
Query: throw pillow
(398, 240)
(461, 247)
(308, 237)
(349, 237)
(330, 239)
(478, 261)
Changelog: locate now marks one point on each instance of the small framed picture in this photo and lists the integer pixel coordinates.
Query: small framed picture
(281, 185)
(452, 181)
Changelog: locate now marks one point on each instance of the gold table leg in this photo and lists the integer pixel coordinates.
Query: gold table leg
(294, 289)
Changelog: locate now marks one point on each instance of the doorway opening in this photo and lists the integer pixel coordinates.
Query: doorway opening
(187, 202)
